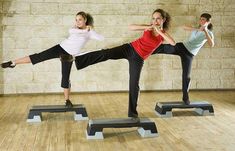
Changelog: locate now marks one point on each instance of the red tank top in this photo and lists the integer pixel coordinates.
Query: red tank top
(146, 44)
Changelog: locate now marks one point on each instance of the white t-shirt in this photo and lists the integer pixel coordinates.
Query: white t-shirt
(196, 41)
(77, 39)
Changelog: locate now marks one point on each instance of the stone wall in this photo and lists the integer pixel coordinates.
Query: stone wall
(30, 26)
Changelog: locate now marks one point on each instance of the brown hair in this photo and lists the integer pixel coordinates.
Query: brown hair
(89, 19)
(165, 16)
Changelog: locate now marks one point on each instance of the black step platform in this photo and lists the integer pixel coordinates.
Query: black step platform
(164, 109)
(146, 127)
(35, 113)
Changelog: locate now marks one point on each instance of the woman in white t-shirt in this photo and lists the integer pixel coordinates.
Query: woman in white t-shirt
(78, 37)
(189, 48)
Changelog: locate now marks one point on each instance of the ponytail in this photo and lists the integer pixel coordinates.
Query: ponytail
(210, 27)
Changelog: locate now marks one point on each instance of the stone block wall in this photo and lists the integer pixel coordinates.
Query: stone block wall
(31, 26)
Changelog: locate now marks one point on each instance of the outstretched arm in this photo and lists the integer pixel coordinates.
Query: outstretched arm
(189, 28)
(96, 36)
(140, 27)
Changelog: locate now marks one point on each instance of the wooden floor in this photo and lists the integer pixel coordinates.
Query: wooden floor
(59, 132)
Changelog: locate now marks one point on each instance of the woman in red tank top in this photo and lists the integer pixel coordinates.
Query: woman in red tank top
(135, 52)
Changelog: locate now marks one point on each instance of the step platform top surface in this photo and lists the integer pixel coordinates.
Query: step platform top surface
(119, 121)
(182, 104)
(47, 107)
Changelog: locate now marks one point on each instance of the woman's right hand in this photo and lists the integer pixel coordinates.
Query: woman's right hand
(88, 28)
(157, 28)
(204, 27)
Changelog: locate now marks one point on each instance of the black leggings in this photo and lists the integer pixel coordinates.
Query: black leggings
(125, 51)
(186, 61)
(51, 53)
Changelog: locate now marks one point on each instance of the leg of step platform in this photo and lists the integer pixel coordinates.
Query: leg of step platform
(34, 116)
(147, 129)
(204, 112)
(80, 114)
(163, 111)
(94, 131)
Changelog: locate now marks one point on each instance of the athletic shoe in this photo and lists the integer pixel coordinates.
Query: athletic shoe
(8, 64)
(68, 103)
(186, 101)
